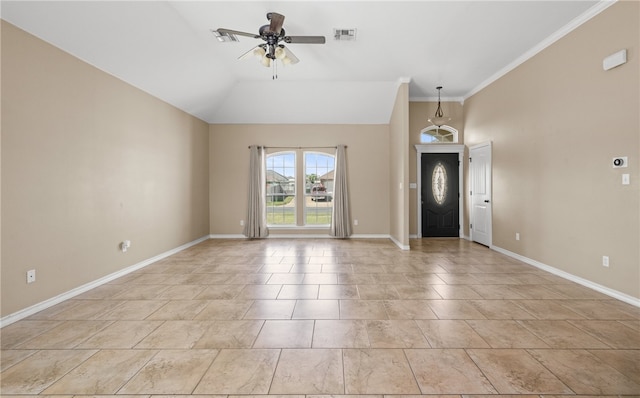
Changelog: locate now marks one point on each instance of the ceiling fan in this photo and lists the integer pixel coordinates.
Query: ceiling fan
(273, 34)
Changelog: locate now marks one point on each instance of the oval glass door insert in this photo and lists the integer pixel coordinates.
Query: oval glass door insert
(439, 183)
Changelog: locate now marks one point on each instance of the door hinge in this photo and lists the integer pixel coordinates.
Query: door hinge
(469, 160)
(470, 193)
(470, 226)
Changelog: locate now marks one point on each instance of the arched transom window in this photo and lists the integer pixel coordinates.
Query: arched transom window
(435, 134)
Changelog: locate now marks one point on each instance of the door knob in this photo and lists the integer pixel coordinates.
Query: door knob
(486, 201)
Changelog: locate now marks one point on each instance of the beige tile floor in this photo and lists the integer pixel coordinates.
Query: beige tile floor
(329, 317)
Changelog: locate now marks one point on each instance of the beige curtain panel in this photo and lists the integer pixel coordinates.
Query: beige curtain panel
(340, 217)
(256, 225)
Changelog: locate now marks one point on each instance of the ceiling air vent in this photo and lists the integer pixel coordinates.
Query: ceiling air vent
(344, 34)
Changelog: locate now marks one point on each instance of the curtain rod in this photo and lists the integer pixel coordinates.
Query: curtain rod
(298, 147)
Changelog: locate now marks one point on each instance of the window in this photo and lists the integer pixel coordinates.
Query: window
(318, 201)
(314, 180)
(435, 134)
(439, 183)
(281, 188)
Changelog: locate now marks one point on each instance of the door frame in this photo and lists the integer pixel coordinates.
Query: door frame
(472, 188)
(440, 148)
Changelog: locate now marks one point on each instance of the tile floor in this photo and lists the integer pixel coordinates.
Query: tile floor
(329, 317)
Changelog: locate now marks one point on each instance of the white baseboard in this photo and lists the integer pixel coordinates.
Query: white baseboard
(299, 236)
(16, 316)
(304, 236)
(400, 245)
(563, 274)
(227, 236)
(315, 236)
(371, 236)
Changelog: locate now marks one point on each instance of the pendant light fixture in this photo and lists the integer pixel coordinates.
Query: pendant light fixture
(439, 119)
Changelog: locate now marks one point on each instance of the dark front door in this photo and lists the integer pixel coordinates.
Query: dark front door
(440, 194)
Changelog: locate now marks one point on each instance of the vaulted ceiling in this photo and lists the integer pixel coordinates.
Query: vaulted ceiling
(166, 48)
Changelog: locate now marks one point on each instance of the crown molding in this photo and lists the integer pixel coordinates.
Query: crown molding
(435, 99)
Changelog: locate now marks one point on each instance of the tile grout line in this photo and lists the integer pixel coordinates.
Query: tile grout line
(195, 387)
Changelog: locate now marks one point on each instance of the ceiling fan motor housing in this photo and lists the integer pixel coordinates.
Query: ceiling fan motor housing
(270, 37)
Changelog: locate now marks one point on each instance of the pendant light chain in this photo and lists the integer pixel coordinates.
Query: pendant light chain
(439, 110)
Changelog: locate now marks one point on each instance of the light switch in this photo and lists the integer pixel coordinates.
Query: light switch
(625, 179)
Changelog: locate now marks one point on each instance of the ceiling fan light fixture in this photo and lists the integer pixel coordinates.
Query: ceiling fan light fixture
(439, 119)
(290, 58)
(259, 52)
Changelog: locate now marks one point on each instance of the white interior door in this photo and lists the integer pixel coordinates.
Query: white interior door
(480, 184)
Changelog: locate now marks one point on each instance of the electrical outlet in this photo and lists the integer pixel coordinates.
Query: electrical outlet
(355, 222)
(31, 276)
(605, 261)
(125, 245)
(242, 223)
(517, 235)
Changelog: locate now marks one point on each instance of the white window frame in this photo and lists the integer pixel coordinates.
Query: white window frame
(300, 200)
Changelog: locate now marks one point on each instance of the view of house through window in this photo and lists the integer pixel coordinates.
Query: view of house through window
(284, 180)
(281, 188)
(318, 188)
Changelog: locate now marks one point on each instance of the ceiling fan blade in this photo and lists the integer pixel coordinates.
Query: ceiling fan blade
(292, 58)
(248, 53)
(276, 22)
(304, 39)
(237, 33)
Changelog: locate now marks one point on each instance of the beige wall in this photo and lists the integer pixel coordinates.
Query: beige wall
(88, 161)
(556, 122)
(367, 163)
(399, 167)
(419, 113)
(0, 173)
